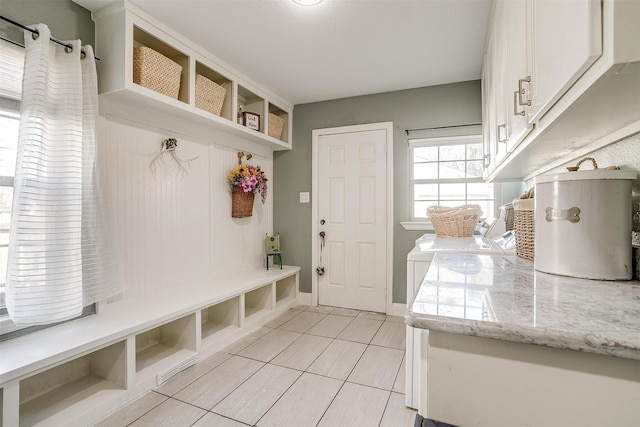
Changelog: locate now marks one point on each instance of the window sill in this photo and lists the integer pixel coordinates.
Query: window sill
(417, 226)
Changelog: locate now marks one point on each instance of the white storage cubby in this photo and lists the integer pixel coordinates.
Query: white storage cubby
(164, 347)
(252, 103)
(122, 26)
(273, 109)
(221, 80)
(257, 303)
(286, 291)
(143, 39)
(78, 372)
(63, 393)
(220, 319)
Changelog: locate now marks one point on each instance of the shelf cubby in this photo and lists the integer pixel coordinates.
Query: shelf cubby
(122, 27)
(165, 347)
(273, 109)
(221, 80)
(286, 291)
(220, 318)
(68, 390)
(257, 302)
(254, 104)
(142, 38)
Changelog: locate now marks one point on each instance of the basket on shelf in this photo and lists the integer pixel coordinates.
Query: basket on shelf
(459, 221)
(209, 95)
(155, 71)
(276, 125)
(524, 226)
(241, 203)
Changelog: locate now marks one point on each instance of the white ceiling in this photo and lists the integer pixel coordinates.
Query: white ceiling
(337, 49)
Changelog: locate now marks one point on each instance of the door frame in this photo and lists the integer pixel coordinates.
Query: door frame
(315, 146)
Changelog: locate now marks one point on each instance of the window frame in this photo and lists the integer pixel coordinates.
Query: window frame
(438, 141)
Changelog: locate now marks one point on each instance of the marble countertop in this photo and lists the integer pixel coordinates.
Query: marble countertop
(503, 297)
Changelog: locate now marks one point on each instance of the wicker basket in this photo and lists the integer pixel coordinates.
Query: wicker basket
(276, 125)
(459, 221)
(209, 95)
(508, 216)
(524, 226)
(241, 203)
(156, 72)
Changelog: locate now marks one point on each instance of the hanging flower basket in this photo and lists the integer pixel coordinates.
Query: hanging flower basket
(241, 203)
(245, 181)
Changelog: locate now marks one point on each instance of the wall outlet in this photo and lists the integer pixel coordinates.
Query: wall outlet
(304, 197)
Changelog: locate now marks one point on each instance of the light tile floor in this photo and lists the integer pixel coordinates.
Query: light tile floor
(312, 366)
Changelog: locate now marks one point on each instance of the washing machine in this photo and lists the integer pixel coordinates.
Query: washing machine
(418, 261)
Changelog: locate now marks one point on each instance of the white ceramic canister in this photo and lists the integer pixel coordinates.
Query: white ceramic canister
(583, 224)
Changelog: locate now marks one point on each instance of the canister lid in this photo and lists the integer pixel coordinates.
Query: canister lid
(586, 175)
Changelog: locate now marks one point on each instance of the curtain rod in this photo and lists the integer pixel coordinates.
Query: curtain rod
(67, 46)
(442, 127)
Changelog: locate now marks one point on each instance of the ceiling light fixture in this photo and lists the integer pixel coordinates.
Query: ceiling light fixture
(307, 2)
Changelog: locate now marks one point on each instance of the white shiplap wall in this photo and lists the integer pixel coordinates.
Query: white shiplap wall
(173, 230)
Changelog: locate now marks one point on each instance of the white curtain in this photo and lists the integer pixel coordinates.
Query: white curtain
(58, 257)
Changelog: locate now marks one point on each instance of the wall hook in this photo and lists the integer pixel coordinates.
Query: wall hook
(168, 148)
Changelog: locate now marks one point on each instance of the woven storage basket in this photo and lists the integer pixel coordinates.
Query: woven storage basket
(508, 216)
(276, 125)
(241, 203)
(209, 95)
(524, 226)
(156, 72)
(459, 221)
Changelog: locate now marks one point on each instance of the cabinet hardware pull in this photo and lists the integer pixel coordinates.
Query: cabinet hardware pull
(521, 91)
(503, 126)
(515, 105)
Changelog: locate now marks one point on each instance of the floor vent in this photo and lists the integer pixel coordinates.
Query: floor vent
(161, 378)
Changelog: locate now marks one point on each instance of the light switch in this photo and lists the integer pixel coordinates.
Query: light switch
(304, 197)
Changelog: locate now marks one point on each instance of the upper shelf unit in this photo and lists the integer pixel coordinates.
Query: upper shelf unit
(148, 65)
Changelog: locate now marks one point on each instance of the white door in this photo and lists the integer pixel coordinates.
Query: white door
(352, 212)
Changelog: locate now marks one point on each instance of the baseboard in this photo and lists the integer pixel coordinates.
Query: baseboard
(398, 309)
(304, 298)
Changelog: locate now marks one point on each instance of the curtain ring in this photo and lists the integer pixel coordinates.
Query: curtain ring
(82, 54)
(35, 34)
(68, 48)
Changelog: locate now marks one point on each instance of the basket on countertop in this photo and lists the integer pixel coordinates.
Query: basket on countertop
(459, 221)
(524, 226)
(508, 216)
(155, 71)
(209, 95)
(276, 125)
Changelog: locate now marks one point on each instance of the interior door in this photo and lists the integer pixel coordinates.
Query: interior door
(352, 212)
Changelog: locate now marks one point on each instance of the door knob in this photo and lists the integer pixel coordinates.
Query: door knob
(322, 221)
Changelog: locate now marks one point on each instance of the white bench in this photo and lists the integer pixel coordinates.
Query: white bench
(78, 372)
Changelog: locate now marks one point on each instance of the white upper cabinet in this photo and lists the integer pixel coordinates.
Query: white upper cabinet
(567, 75)
(516, 70)
(566, 39)
(121, 28)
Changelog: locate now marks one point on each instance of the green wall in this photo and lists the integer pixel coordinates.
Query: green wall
(445, 105)
(65, 19)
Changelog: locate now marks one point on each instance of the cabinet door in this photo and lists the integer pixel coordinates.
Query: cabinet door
(494, 87)
(517, 45)
(500, 88)
(566, 39)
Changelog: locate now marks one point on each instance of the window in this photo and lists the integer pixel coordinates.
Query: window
(10, 94)
(447, 171)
